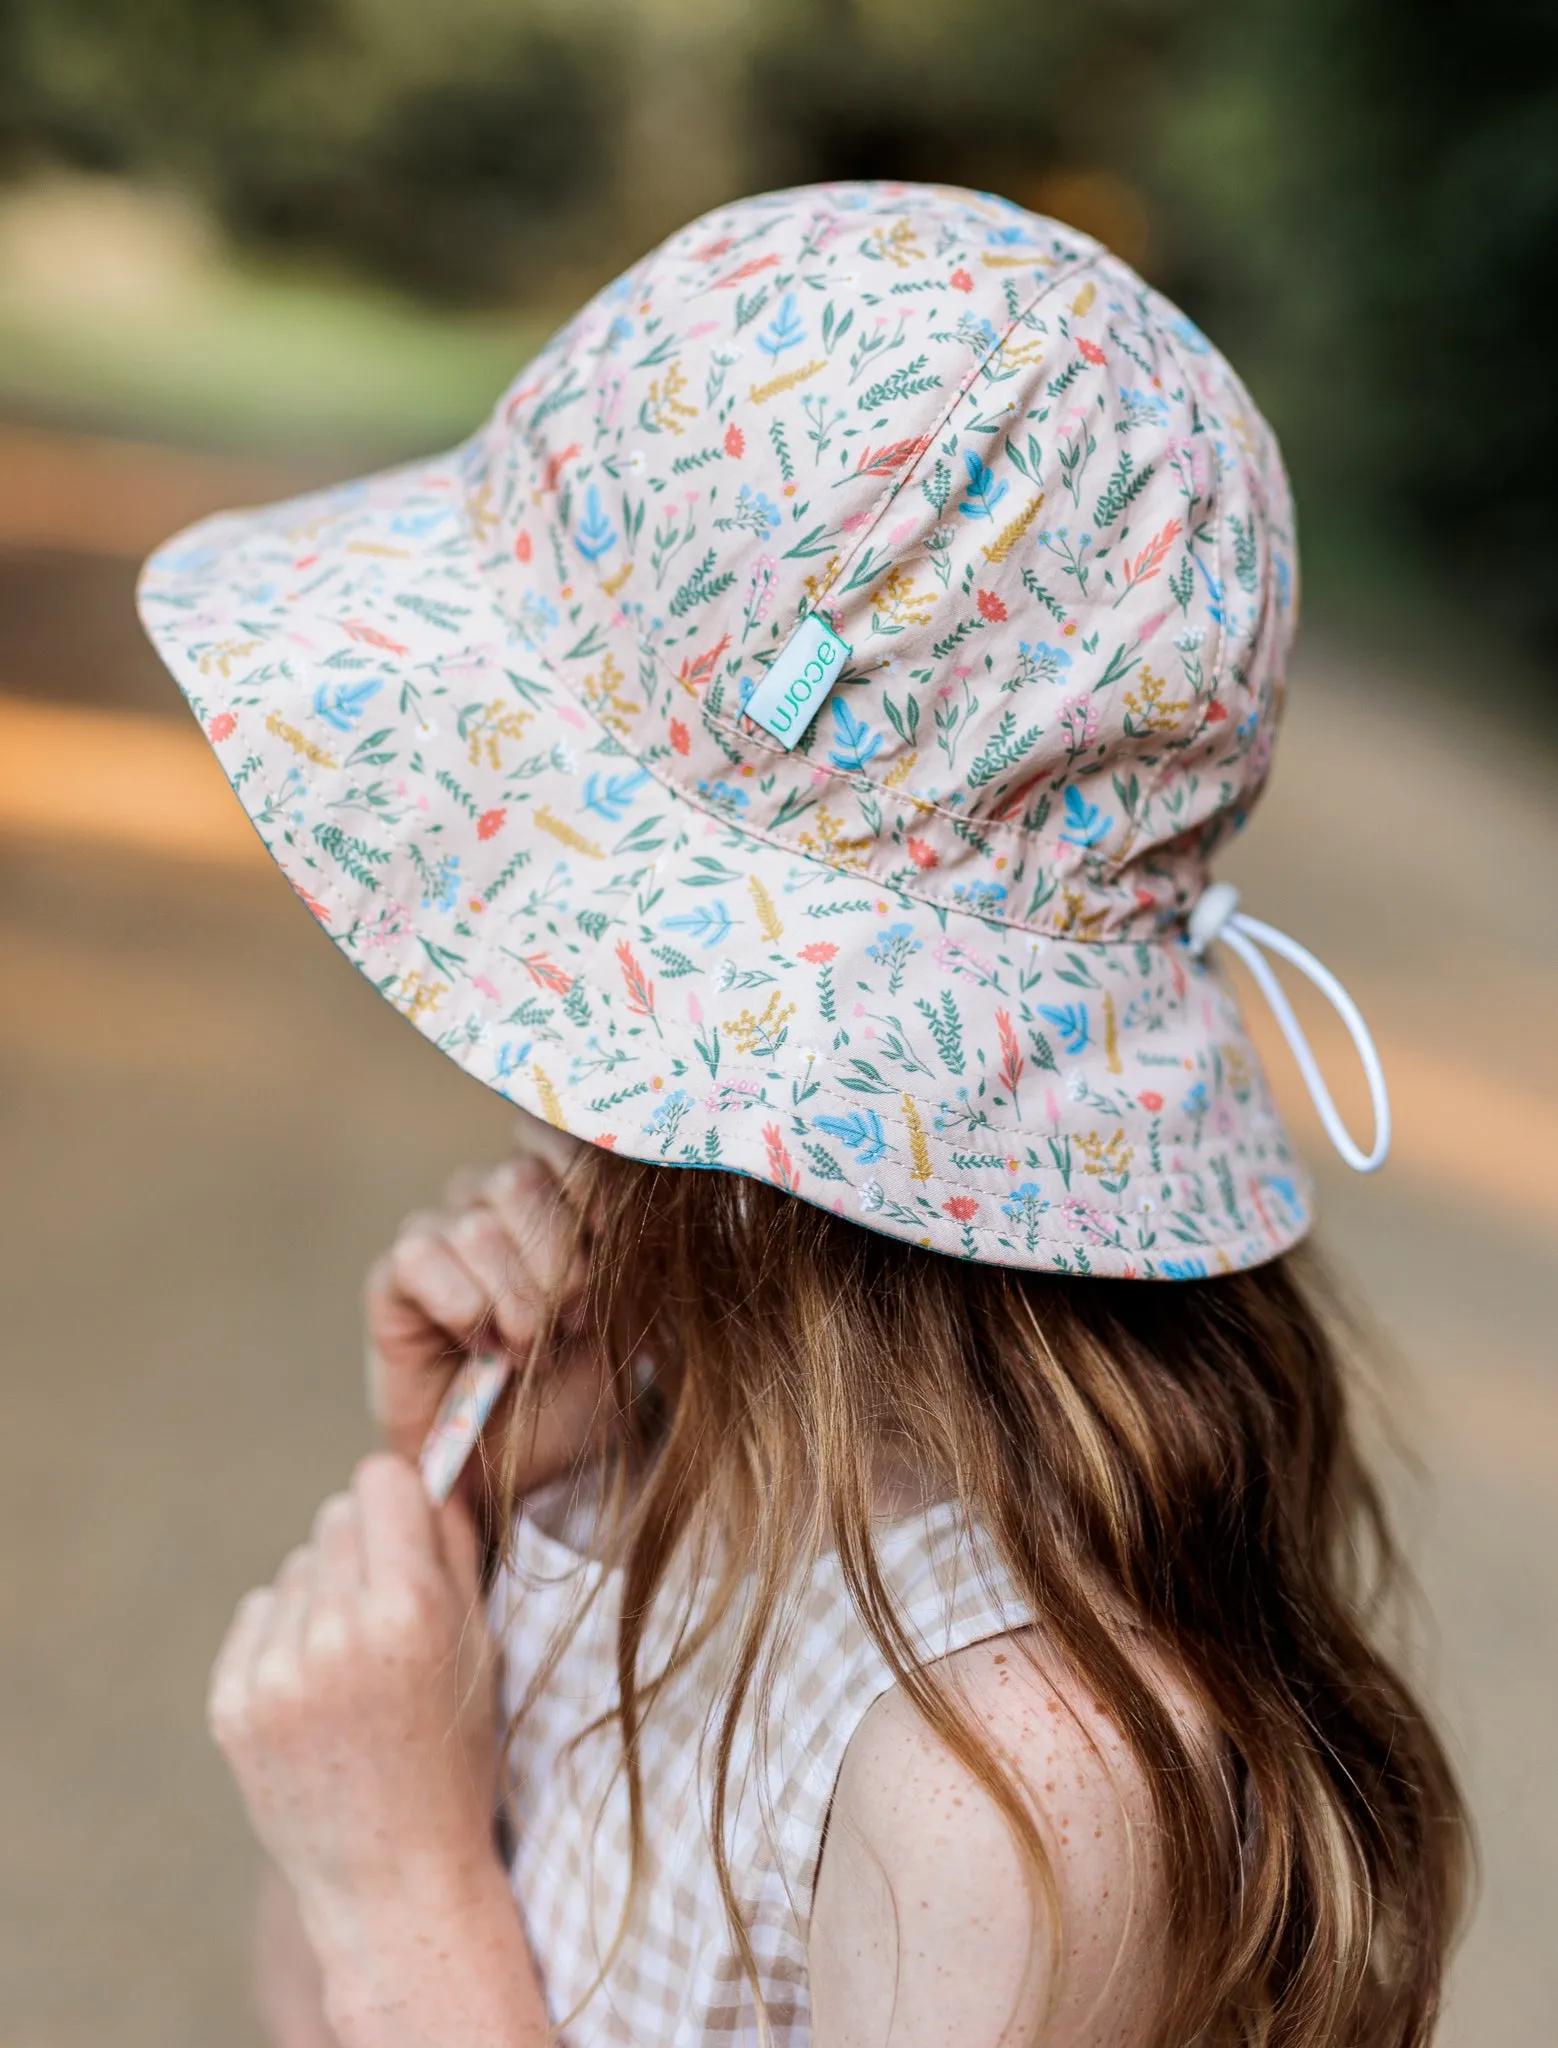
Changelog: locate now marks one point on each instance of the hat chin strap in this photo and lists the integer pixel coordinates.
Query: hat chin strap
(1217, 916)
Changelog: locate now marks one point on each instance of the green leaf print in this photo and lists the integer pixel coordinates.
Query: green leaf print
(1003, 750)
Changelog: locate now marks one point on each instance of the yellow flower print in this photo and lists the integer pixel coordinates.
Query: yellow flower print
(485, 728)
(1147, 710)
(764, 1033)
(603, 693)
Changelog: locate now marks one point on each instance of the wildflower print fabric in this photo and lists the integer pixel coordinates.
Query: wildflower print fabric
(927, 968)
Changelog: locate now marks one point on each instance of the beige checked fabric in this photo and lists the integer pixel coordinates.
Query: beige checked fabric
(672, 1975)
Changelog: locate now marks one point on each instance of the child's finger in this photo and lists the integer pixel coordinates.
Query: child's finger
(278, 1655)
(399, 1540)
(426, 1271)
(336, 1549)
(461, 1547)
(478, 1240)
(227, 1694)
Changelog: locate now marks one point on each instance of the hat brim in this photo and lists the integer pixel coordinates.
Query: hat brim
(636, 968)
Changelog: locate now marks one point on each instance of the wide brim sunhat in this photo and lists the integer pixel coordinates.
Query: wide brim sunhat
(924, 962)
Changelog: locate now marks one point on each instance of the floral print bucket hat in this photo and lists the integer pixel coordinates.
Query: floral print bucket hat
(791, 734)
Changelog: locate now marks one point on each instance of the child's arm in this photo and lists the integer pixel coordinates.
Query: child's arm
(924, 1932)
(354, 1701)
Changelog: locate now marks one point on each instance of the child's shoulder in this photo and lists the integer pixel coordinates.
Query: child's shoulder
(923, 1905)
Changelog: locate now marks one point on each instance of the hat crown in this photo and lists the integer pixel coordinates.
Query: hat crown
(1037, 505)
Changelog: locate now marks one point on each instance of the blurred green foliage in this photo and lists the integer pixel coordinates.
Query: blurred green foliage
(1358, 198)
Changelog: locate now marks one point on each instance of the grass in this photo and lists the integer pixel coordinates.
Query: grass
(245, 358)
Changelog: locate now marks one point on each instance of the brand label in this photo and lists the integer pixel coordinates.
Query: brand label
(786, 701)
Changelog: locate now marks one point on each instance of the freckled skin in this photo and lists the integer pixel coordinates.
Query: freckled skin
(923, 1932)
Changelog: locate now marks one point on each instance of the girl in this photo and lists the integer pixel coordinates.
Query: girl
(933, 1575)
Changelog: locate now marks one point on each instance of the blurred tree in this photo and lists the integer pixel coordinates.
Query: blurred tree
(1359, 198)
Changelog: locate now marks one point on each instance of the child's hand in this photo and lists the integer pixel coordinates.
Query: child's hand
(355, 1701)
(479, 1272)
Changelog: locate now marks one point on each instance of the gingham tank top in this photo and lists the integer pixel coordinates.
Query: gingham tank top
(674, 1976)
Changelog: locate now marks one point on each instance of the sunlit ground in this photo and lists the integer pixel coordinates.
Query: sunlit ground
(209, 1124)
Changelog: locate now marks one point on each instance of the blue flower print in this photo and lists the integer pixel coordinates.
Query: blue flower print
(666, 1119)
(537, 617)
(1026, 1206)
(983, 899)
(343, 704)
(442, 884)
(1040, 662)
(596, 535)
(785, 330)
(983, 493)
(1070, 1020)
(709, 924)
(894, 948)
(861, 1132)
(1182, 1269)
(1086, 824)
(611, 797)
(724, 796)
(752, 513)
(854, 743)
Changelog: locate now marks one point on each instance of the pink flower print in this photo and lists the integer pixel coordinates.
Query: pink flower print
(819, 952)
(960, 280)
(901, 532)
(487, 988)
(681, 738)
(961, 1208)
(1150, 627)
(856, 520)
(388, 928)
(491, 822)
(1091, 352)
(694, 1010)
(1079, 722)
(223, 726)
(735, 441)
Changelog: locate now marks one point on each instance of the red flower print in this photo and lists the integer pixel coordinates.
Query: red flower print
(1150, 1100)
(522, 547)
(1012, 1061)
(546, 973)
(681, 738)
(961, 1208)
(922, 855)
(991, 607)
(223, 726)
(640, 989)
(372, 637)
(1092, 352)
(960, 280)
(607, 1141)
(819, 952)
(781, 1167)
(1216, 711)
(735, 440)
(491, 822)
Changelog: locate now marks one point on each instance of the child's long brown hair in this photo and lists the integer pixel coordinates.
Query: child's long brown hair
(1159, 1465)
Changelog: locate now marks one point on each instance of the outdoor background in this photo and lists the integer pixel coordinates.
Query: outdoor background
(248, 245)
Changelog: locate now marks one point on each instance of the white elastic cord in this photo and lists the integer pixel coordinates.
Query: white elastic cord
(1218, 916)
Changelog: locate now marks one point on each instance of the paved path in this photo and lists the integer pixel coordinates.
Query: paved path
(209, 1123)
